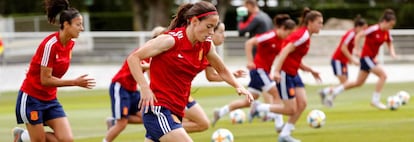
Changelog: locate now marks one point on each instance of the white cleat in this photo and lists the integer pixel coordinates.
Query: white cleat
(216, 117)
(287, 138)
(110, 121)
(379, 105)
(17, 134)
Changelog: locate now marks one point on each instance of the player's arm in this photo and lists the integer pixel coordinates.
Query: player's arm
(345, 51)
(314, 73)
(282, 56)
(391, 48)
(357, 40)
(248, 48)
(225, 74)
(47, 79)
(151, 48)
(247, 26)
(213, 76)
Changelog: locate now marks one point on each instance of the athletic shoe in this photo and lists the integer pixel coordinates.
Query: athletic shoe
(326, 99)
(287, 138)
(379, 105)
(216, 116)
(266, 118)
(110, 121)
(253, 111)
(17, 134)
(279, 129)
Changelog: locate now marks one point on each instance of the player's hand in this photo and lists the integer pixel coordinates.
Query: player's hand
(83, 81)
(147, 99)
(276, 76)
(317, 76)
(251, 66)
(355, 62)
(243, 91)
(239, 73)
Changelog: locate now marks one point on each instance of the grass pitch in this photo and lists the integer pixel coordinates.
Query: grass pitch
(351, 119)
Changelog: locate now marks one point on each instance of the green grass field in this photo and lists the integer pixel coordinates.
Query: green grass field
(351, 119)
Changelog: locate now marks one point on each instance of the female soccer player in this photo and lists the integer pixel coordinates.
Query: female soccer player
(268, 45)
(343, 55)
(290, 86)
(37, 104)
(375, 36)
(176, 58)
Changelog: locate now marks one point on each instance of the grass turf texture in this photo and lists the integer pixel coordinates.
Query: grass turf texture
(351, 119)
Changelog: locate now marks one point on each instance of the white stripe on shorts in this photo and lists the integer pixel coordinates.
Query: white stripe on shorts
(23, 106)
(369, 62)
(267, 84)
(338, 67)
(162, 120)
(283, 86)
(117, 97)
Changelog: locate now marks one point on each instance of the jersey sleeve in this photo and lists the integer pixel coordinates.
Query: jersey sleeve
(265, 36)
(371, 29)
(48, 55)
(301, 39)
(389, 39)
(348, 38)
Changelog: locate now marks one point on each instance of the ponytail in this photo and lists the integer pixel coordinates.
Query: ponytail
(180, 18)
(309, 15)
(62, 8)
(185, 12)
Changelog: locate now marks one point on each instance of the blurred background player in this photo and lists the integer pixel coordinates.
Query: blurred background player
(290, 86)
(268, 45)
(375, 36)
(37, 104)
(343, 55)
(255, 22)
(125, 96)
(184, 52)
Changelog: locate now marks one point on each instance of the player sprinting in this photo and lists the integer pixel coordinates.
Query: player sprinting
(290, 86)
(375, 36)
(344, 55)
(176, 59)
(37, 104)
(268, 45)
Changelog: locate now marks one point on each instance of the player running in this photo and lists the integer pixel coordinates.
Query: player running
(375, 36)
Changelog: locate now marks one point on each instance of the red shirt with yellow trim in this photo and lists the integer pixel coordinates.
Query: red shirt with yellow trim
(374, 38)
(173, 71)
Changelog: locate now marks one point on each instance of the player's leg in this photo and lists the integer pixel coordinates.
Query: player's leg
(195, 119)
(61, 130)
(340, 70)
(162, 125)
(376, 96)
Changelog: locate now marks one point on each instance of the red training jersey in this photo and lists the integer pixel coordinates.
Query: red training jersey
(52, 54)
(173, 71)
(269, 45)
(301, 40)
(348, 41)
(374, 38)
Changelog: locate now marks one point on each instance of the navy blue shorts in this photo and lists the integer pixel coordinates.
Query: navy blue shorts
(260, 81)
(160, 122)
(123, 102)
(287, 85)
(191, 103)
(367, 63)
(34, 111)
(339, 68)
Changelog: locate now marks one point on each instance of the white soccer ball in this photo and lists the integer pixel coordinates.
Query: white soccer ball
(316, 118)
(394, 102)
(222, 135)
(404, 97)
(237, 116)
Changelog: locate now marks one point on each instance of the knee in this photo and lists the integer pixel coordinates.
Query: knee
(67, 138)
(121, 123)
(292, 110)
(204, 125)
(383, 77)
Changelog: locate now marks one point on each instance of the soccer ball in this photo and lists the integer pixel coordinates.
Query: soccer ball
(237, 116)
(404, 97)
(222, 135)
(316, 118)
(393, 102)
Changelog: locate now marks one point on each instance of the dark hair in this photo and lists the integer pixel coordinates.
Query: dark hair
(218, 25)
(187, 11)
(251, 2)
(359, 21)
(283, 21)
(309, 15)
(388, 15)
(61, 8)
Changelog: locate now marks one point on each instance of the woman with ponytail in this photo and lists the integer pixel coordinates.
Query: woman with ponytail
(37, 104)
(176, 58)
(343, 55)
(290, 86)
(375, 36)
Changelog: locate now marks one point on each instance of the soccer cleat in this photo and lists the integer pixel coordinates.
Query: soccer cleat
(379, 105)
(323, 96)
(253, 111)
(279, 129)
(17, 134)
(216, 116)
(287, 138)
(110, 121)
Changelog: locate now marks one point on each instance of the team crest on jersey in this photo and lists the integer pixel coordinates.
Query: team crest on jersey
(200, 54)
(385, 37)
